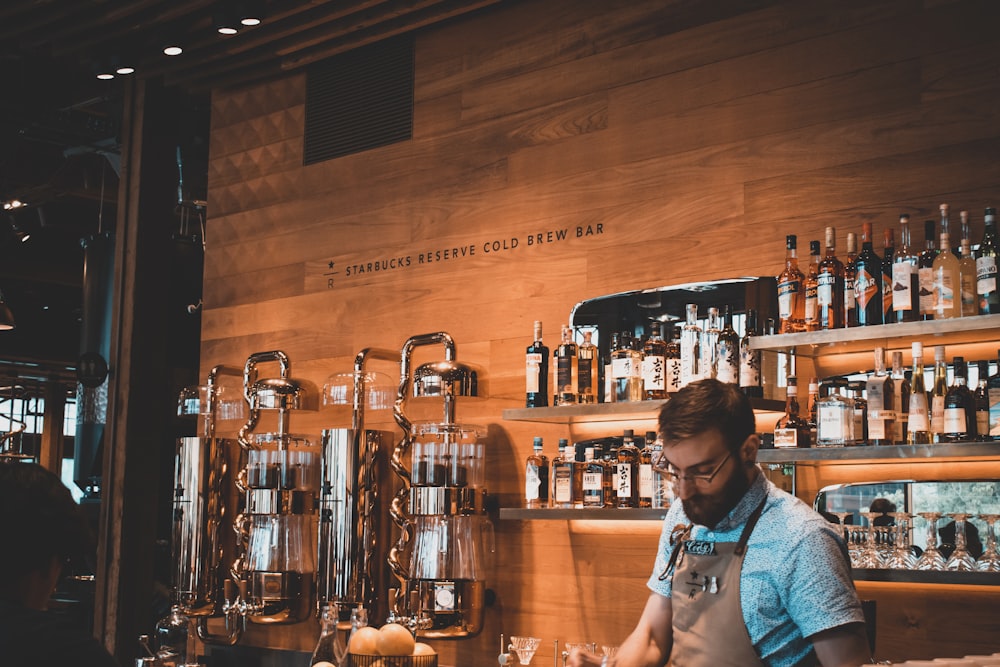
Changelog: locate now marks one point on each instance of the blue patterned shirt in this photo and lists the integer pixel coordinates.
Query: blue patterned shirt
(796, 578)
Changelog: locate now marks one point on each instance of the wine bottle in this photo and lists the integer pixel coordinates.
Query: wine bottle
(888, 257)
(850, 273)
(537, 371)
(905, 277)
(959, 406)
(925, 272)
(750, 360)
(791, 301)
(918, 427)
(938, 393)
(986, 266)
(830, 285)
(868, 280)
(901, 398)
(967, 270)
(982, 399)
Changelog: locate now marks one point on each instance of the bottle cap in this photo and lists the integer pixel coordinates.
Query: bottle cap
(939, 353)
(790, 242)
(814, 247)
(537, 444)
(917, 349)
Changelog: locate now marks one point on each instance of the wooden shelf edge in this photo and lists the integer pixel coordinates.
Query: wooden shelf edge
(921, 577)
(584, 514)
(598, 412)
(893, 453)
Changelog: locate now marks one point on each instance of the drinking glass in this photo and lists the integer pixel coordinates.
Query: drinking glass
(990, 560)
(960, 560)
(525, 648)
(931, 559)
(586, 646)
(902, 557)
(869, 556)
(841, 517)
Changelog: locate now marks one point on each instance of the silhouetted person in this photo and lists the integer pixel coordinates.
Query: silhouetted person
(42, 530)
(973, 544)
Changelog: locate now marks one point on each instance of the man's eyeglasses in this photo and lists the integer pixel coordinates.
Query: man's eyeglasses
(662, 466)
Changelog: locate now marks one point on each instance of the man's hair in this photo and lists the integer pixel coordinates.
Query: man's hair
(704, 405)
(39, 519)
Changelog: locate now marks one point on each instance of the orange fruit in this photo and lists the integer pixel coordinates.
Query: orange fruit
(395, 639)
(364, 641)
(421, 648)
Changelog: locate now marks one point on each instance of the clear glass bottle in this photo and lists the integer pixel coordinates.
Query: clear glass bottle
(646, 489)
(925, 271)
(810, 284)
(654, 365)
(982, 399)
(626, 369)
(563, 477)
(627, 472)
(905, 276)
(587, 366)
(918, 425)
(850, 274)
(881, 403)
(172, 634)
(536, 476)
(727, 350)
(536, 359)
(593, 478)
(986, 266)
(888, 257)
(901, 398)
(947, 277)
(750, 380)
(967, 271)
(959, 406)
(856, 392)
(565, 375)
(938, 393)
(326, 651)
(834, 415)
(868, 280)
(690, 346)
(791, 429)
(830, 285)
(710, 344)
(791, 292)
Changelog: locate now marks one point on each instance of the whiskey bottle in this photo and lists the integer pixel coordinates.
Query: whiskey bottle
(727, 355)
(654, 365)
(672, 357)
(791, 301)
(566, 372)
(888, 257)
(881, 403)
(959, 406)
(993, 395)
(609, 461)
(690, 346)
(856, 392)
(593, 478)
(905, 284)
(537, 371)
(986, 266)
(750, 381)
(626, 370)
(938, 393)
(791, 429)
(901, 398)
(536, 477)
(850, 274)
(868, 280)
(710, 344)
(813, 399)
(627, 472)
(811, 308)
(925, 272)
(646, 490)
(566, 482)
(918, 426)
(946, 276)
(982, 399)
(587, 363)
(967, 270)
(830, 286)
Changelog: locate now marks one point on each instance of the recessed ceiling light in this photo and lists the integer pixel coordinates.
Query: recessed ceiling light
(172, 50)
(125, 69)
(250, 20)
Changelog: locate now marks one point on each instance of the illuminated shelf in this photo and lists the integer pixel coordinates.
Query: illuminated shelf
(603, 412)
(585, 514)
(921, 577)
(952, 451)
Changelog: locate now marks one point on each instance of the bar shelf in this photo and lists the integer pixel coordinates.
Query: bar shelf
(954, 451)
(584, 514)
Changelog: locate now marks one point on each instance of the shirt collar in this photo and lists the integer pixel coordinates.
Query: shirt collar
(747, 504)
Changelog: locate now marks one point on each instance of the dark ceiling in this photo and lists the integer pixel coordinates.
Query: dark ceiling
(60, 126)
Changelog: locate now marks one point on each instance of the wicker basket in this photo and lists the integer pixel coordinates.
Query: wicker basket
(362, 660)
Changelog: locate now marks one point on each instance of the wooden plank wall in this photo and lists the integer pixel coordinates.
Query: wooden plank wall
(693, 134)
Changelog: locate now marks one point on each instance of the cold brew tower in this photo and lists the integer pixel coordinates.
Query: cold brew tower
(440, 504)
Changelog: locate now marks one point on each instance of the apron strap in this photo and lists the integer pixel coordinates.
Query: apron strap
(741, 546)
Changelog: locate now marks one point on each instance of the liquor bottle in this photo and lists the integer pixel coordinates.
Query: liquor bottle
(690, 346)
(672, 356)
(813, 398)
(925, 272)
(646, 489)
(727, 356)
(566, 372)
(654, 365)
(710, 344)
(750, 381)
(901, 398)
(856, 392)
(663, 488)
(791, 429)
(627, 472)
(850, 274)
(986, 266)
(938, 393)
(868, 280)
(993, 394)
(537, 371)
(905, 277)
(811, 307)
(967, 271)
(834, 415)
(888, 257)
(325, 651)
(947, 279)
(593, 478)
(791, 301)
(830, 286)
(918, 426)
(564, 477)
(536, 477)
(982, 399)
(587, 363)
(881, 403)
(959, 406)
(609, 461)
(626, 370)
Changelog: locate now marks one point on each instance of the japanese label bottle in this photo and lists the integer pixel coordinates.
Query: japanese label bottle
(654, 365)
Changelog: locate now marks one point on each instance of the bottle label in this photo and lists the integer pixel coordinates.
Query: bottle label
(944, 291)
(993, 395)
(583, 379)
(532, 371)
(564, 375)
(865, 287)
(918, 417)
(563, 485)
(986, 275)
(811, 301)
(623, 471)
(532, 482)
(749, 367)
(623, 367)
(592, 481)
(786, 437)
(970, 301)
(832, 423)
(788, 292)
(850, 303)
(673, 375)
(926, 281)
(645, 480)
(937, 414)
(825, 283)
(901, 286)
(982, 421)
(954, 420)
(654, 376)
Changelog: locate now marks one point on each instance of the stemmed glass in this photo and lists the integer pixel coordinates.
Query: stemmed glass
(869, 556)
(960, 560)
(841, 517)
(990, 560)
(931, 559)
(902, 557)
(525, 648)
